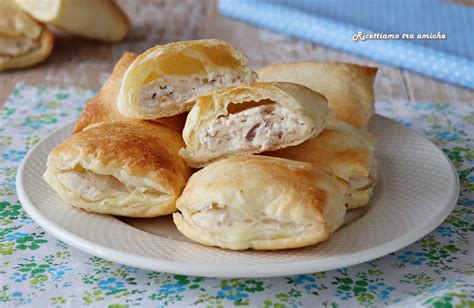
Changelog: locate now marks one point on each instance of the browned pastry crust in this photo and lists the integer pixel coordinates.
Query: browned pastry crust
(142, 156)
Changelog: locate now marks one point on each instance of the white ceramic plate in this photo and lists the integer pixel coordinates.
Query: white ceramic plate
(418, 188)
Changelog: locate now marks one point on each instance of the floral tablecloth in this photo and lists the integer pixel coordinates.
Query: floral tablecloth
(38, 270)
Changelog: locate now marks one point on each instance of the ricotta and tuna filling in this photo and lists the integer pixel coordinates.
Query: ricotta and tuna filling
(92, 186)
(257, 128)
(164, 93)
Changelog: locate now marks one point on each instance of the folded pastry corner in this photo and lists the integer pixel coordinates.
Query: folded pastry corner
(344, 151)
(162, 80)
(103, 106)
(362, 188)
(347, 87)
(125, 168)
(261, 202)
(251, 118)
(23, 41)
(98, 19)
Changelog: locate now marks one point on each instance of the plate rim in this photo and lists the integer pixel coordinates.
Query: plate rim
(234, 270)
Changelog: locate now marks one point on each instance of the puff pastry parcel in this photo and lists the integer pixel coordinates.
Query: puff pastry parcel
(344, 151)
(23, 41)
(96, 19)
(103, 106)
(251, 118)
(160, 82)
(261, 202)
(120, 168)
(347, 87)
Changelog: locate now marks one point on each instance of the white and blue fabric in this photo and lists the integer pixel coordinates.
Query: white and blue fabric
(334, 23)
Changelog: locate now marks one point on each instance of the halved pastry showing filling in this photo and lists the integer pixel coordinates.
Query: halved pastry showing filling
(349, 88)
(103, 106)
(162, 80)
(261, 202)
(344, 151)
(23, 41)
(126, 168)
(251, 118)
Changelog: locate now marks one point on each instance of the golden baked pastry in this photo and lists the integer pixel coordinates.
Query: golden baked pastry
(127, 168)
(261, 202)
(23, 41)
(96, 19)
(344, 151)
(251, 118)
(103, 106)
(347, 87)
(162, 80)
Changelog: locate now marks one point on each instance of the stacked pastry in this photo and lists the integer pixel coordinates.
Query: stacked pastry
(197, 105)
(25, 40)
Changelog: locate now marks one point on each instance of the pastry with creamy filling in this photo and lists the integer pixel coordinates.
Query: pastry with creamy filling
(125, 168)
(23, 41)
(251, 118)
(261, 202)
(162, 81)
(103, 106)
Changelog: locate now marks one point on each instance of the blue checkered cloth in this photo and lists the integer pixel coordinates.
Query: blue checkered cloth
(334, 23)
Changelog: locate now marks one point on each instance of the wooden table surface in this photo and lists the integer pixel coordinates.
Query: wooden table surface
(86, 63)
